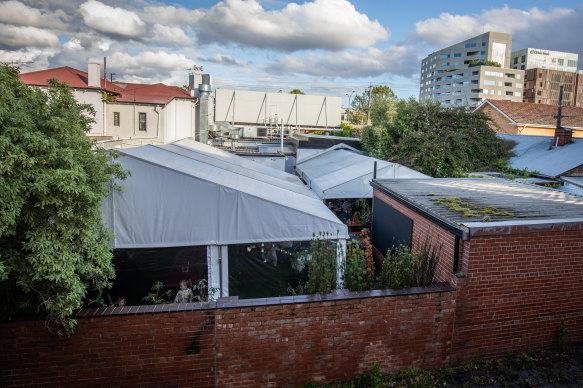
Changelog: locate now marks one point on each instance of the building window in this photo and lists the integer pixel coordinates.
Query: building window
(561, 61)
(516, 60)
(523, 58)
(571, 63)
(445, 64)
(457, 63)
(444, 56)
(488, 82)
(482, 53)
(142, 123)
(522, 67)
(468, 45)
(509, 93)
(483, 44)
(457, 55)
(116, 119)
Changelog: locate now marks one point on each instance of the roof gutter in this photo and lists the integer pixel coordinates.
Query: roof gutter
(454, 229)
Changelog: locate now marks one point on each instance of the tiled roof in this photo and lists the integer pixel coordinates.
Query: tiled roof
(126, 92)
(539, 114)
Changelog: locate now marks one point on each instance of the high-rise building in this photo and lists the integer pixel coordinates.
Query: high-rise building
(545, 72)
(531, 58)
(472, 71)
(542, 86)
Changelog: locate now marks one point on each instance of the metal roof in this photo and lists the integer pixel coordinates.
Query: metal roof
(525, 203)
(536, 154)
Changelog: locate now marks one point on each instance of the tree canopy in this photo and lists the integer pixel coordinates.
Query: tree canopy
(382, 103)
(53, 245)
(438, 141)
(296, 91)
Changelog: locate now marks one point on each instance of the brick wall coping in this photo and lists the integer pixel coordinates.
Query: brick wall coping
(521, 227)
(235, 302)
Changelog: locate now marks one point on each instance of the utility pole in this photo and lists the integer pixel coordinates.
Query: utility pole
(368, 112)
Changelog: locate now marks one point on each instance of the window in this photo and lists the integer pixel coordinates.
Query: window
(523, 58)
(571, 63)
(468, 45)
(444, 56)
(493, 73)
(116, 119)
(482, 53)
(522, 67)
(508, 84)
(516, 60)
(437, 87)
(509, 93)
(142, 123)
(457, 55)
(483, 44)
(517, 94)
(488, 82)
(561, 61)
(449, 77)
(445, 64)
(456, 63)
(519, 86)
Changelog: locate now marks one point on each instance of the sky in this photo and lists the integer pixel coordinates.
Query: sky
(324, 47)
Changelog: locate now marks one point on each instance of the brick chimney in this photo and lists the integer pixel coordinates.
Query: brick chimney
(562, 135)
(94, 74)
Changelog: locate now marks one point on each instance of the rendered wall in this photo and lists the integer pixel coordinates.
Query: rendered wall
(260, 345)
(242, 106)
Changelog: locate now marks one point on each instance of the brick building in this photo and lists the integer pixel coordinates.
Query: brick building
(524, 118)
(541, 86)
(514, 251)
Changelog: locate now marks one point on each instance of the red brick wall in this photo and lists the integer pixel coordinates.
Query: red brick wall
(123, 350)
(271, 345)
(439, 237)
(518, 290)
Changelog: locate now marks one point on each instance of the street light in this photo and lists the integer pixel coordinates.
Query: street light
(349, 97)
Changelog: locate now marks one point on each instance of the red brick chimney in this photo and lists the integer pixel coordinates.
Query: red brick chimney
(562, 136)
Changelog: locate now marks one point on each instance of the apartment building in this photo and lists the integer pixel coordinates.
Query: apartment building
(532, 58)
(542, 86)
(467, 73)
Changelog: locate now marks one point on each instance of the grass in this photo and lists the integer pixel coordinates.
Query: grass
(469, 210)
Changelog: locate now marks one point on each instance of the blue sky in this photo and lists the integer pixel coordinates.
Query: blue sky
(327, 47)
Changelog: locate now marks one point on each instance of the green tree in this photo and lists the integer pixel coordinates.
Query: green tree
(438, 141)
(53, 245)
(382, 103)
(296, 91)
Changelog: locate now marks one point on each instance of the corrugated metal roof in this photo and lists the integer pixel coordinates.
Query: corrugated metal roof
(524, 202)
(536, 154)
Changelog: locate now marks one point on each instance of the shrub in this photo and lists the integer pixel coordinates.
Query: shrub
(403, 268)
(358, 276)
(322, 268)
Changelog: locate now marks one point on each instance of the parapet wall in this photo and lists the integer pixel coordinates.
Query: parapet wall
(257, 342)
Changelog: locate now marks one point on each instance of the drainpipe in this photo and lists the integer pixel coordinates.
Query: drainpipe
(158, 121)
(221, 269)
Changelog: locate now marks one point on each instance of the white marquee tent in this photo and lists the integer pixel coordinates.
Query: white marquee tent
(187, 194)
(342, 171)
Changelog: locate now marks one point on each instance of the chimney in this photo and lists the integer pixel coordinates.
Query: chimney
(562, 135)
(94, 74)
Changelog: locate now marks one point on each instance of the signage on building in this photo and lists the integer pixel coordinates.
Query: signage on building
(539, 52)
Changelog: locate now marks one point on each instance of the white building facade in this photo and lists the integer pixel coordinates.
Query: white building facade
(464, 74)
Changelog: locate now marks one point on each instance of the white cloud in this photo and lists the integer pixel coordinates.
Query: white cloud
(320, 24)
(162, 33)
(224, 60)
(16, 13)
(73, 44)
(148, 62)
(449, 29)
(400, 60)
(171, 15)
(112, 20)
(13, 36)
